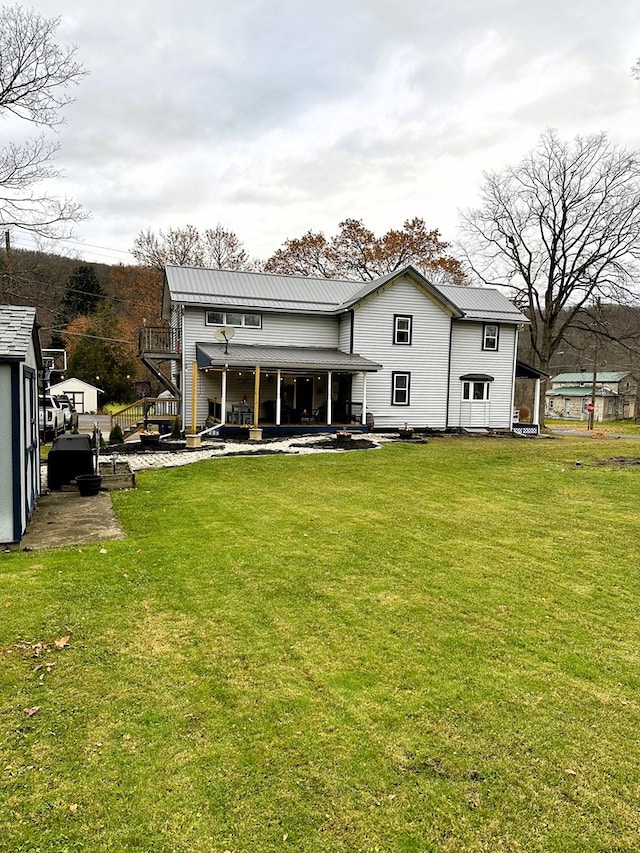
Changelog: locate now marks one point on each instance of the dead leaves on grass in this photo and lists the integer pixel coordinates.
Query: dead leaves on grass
(40, 651)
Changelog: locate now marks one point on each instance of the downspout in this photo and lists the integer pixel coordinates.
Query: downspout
(446, 414)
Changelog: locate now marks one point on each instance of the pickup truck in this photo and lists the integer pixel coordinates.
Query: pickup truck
(69, 413)
(51, 419)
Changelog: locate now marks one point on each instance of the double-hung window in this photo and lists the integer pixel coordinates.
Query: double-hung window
(400, 388)
(402, 328)
(490, 336)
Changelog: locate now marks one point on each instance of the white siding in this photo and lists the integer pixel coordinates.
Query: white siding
(467, 356)
(277, 330)
(426, 359)
(344, 339)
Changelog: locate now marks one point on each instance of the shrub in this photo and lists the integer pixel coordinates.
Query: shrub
(116, 436)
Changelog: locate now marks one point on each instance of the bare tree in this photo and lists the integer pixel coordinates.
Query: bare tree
(558, 231)
(356, 253)
(223, 250)
(179, 246)
(217, 248)
(36, 75)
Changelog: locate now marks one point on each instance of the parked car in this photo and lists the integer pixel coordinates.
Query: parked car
(68, 411)
(51, 418)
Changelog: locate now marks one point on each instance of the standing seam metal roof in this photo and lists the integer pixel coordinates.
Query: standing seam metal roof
(263, 291)
(587, 376)
(304, 358)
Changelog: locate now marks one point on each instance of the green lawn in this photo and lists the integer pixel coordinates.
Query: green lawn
(626, 427)
(424, 648)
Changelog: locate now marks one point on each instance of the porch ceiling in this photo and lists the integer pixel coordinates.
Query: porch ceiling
(284, 358)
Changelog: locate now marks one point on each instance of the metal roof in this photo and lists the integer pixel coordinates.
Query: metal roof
(483, 303)
(587, 376)
(291, 358)
(230, 288)
(528, 371)
(17, 324)
(582, 391)
(266, 291)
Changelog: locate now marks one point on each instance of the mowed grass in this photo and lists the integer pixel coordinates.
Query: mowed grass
(423, 648)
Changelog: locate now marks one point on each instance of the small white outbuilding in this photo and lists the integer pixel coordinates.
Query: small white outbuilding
(83, 395)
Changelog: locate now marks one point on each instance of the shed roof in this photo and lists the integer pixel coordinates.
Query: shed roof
(265, 291)
(17, 331)
(292, 358)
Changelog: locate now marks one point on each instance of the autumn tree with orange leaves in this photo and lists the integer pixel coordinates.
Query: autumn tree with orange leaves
(355, 253)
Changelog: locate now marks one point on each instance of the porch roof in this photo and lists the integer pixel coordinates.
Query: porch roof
(213, 356)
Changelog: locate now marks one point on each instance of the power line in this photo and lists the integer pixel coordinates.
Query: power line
(23, 242)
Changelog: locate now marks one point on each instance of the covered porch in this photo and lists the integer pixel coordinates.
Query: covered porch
(278, 389)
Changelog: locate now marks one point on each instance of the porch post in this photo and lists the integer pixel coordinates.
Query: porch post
(329, 383)
(194, 397)
(536, 403)
(364, 398)
(223, 413)
(278, 396)
(256, 397)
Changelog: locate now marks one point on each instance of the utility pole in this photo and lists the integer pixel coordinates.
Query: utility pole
(8, 296)
(592, 412)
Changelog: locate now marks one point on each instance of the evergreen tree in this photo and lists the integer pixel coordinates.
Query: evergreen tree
(82, 295)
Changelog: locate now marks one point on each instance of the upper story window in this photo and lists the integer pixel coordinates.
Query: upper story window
(233, 318)
(400, 387)
(490, 336)
(402, 327)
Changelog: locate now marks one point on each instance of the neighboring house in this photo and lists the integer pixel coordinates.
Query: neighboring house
(616, 395)
(83, 395)
(287, 352)
(20, 365)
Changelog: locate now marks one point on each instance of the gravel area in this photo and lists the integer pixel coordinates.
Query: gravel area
(170, 454)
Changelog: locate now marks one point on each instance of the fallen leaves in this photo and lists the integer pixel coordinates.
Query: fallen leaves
(31, 711)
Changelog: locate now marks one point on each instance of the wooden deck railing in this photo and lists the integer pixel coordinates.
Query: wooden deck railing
(152, 410)
(158, 339)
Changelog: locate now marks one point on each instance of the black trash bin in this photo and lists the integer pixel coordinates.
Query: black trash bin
(70, 456)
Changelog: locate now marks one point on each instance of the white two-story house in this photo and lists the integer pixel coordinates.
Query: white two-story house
(288, 352)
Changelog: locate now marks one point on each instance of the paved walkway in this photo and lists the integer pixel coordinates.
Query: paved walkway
(66, 518)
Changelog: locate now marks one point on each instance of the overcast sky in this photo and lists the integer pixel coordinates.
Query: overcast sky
(274, 117)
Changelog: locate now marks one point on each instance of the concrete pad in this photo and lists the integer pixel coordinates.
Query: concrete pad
(66, 518)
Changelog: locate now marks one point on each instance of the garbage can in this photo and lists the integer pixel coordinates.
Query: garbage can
(70, 456)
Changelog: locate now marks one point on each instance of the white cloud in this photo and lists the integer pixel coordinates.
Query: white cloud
(275, 117)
